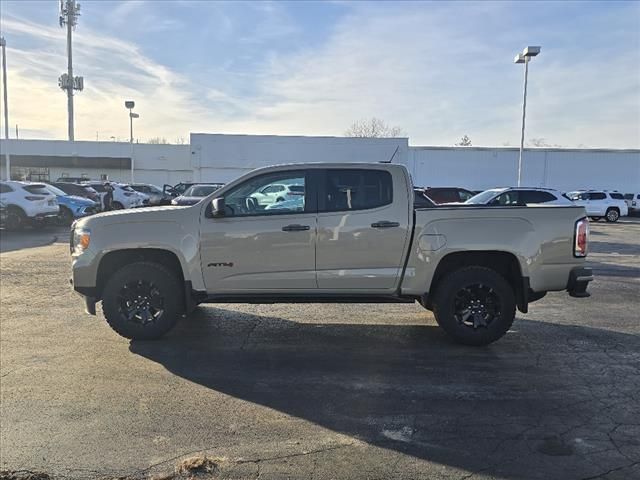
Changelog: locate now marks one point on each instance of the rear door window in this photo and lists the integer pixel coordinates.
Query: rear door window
(356, 189)
(464, 196)
(617, 196)
(37, 189)
(536, 196)
(5, 188)
(597, 196)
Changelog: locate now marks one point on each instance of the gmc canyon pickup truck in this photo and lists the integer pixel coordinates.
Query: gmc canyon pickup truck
(351, 235)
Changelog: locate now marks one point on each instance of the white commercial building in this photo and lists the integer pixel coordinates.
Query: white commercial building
(221, 158)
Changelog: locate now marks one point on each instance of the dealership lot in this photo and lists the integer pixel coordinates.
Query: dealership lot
(321, 391)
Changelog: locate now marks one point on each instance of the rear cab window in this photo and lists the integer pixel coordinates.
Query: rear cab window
(355, 189)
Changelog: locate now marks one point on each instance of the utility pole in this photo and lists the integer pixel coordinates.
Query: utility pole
(69, 13)
(3, 44)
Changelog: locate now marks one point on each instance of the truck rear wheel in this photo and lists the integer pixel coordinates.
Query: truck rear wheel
(142, 301)
(474, 305)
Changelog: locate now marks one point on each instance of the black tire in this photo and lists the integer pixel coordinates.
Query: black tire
(481, 295)
(117, 206)
(595, 219)
(138, 288)
(16, 218)
(612, 215)
(65, 217)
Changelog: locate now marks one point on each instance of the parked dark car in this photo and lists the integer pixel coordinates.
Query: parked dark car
(177, 189)
(78, 190)
(420, 199)
(195, 193)
(448, 194)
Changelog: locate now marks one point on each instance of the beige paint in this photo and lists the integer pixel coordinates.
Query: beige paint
(341, 252)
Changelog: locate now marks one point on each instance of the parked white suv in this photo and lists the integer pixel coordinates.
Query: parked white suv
(277, 192)
(123, 195)
(27, 202)
(600, 203)
(633, 202)
(518, 196)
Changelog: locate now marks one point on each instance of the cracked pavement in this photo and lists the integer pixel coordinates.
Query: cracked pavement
(324, 391)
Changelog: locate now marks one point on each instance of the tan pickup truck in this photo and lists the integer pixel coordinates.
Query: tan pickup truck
(328, 233)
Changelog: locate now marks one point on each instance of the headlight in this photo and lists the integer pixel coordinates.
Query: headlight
(80, 240)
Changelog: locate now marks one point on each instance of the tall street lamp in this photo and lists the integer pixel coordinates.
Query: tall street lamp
(130, 104)
(524, 57)
(3, 44)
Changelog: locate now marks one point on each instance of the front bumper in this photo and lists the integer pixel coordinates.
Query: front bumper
(579, 279)
(89, 300)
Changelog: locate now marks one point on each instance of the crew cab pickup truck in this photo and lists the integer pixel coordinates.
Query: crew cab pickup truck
(354, 236)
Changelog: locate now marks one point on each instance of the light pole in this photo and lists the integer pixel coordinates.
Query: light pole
(130, 104)
(524, 57)
(3, 44)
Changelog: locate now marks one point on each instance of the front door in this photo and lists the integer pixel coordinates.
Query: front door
(363, 227)
(265, 248)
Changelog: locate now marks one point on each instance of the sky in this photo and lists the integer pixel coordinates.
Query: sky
(437, 70)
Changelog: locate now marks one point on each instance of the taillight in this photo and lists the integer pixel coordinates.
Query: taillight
(33, 198)
(581, 238)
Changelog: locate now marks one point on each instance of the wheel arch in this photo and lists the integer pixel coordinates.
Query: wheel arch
(114, 260)
(504, 263)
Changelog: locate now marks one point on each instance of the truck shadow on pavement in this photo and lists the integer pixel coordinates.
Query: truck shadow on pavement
(547, 401)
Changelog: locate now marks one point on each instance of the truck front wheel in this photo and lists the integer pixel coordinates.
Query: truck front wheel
(474, 305)
(142, 301)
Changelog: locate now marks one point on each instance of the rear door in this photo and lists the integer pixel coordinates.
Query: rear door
(597, 204)
(363, 228)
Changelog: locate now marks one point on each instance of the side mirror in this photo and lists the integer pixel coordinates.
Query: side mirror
(217, 207)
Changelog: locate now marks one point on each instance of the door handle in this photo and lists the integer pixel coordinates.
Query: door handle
(385, 224)
(295, 228)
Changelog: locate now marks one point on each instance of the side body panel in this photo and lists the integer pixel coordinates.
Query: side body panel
(541, 238)
(175, 229)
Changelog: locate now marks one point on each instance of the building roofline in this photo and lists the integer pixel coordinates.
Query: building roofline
(536, 149)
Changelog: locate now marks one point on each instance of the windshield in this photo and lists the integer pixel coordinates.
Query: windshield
(200, 190)
(56, 190)
(484, 197)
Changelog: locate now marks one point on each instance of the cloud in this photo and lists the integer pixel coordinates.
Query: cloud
(438, 72)
(114, 70)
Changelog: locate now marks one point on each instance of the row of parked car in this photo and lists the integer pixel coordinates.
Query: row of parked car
(69, 198)
(66, 199)
(599, 204)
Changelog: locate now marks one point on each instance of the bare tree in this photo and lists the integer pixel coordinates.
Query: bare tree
(180, 140)
(157, 141)
(465, 141)
(541, 142)
(373, 128)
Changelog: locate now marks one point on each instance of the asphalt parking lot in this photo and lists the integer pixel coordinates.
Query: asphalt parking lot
(322, 391)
